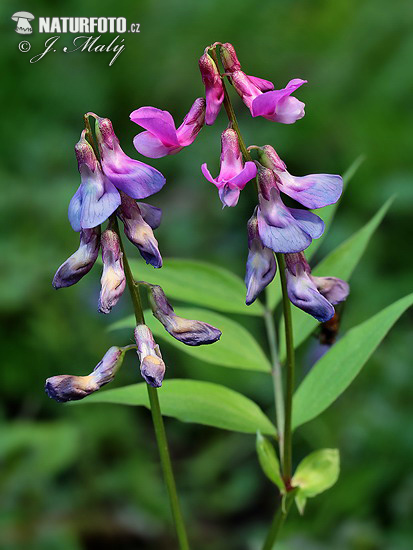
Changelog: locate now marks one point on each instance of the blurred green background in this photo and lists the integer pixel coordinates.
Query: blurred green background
(88, 477)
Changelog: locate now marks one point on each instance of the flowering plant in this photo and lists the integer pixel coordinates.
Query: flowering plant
(283, 234)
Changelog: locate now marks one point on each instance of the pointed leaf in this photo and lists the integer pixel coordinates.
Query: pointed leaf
(237, 348)
(268, 460)
(198, 283)
(335, 371)
(194, 401)
(341, 263)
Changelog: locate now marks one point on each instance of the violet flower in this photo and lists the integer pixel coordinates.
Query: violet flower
(66, 387)
(261, 264)
(214, 89)
(152, 365)
(161, 137)
(189, 332)
(139, 232)
(113, 279)
(314, 295)
(234, 175)
(280, 228)
(313, 191)
(135, 178)
(259, 94)
(81, 261)
(96, 198)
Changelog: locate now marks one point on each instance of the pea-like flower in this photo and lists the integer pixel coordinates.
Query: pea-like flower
(312, 191)
(152, 365)
(135, 178)
(151, 214)
(113, 280)
(187, 331)
(259, 94)
(161, 137)
(97, 197)
(314, 295)
(281, 228)
(234, 175)
(261, 264)
(214, 89)
(72, 388)
(81, 261)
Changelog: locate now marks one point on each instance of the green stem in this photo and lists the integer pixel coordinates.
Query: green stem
(278, 521)
(287, 456)
(157, 419)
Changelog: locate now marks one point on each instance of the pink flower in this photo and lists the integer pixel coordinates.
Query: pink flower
(214, 89)
(233, 175)
(161, 137)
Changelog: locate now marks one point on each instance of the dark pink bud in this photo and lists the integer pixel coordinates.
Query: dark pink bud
(214, 89)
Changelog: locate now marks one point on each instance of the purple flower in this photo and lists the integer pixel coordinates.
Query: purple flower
(280, 228)
(214, 89)
(189, 332)
(313, 191)
(138, 231)
(233, 175)
(72, 388)
(113, 280)
(135, 178)
(314, 295)
(152, 365)
(96, 198)
(259, 94)
(151, 214)
(261, 264)
(161, 137)
(81, 262)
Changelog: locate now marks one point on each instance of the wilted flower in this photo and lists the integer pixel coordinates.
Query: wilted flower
(191, 333)
(135, 178)
(139, 232)
(162, 138)
(234, 175)
(314, 295)
(81, 262)
(113, 279)
(72, 388)
(261, 264)
(214, 89)
(152, 365)
(259, 94)
(280, 228)
(96, 198)
(313, 191)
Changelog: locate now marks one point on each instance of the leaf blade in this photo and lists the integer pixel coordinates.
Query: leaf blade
(269, 461)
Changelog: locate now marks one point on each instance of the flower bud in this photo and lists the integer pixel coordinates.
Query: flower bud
(113, 279)
(81, 262)
(214, 89)
(152, 365)
(189, 332)
(261, 264)
(229, 57)
(72, 388)
(139, 232)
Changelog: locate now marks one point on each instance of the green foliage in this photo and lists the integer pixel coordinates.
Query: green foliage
(268, 460)
(316, 473)
(334, 372)
(237, 348)
(195, 401)
(199, 283)
(341, 263)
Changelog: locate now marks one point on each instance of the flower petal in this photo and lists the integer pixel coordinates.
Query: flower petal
(312, 191)
(284, 237)
(152, 147)
(157, 122)
(304, 295)
(261, 83)
(334, 289)
(75, 209)
(276, 105)
(228, 196)
(207, 175)
(192, 124)
(308, 222)
(247, 174)
(151, 214)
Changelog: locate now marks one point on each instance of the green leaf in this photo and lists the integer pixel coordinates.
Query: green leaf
(315, 474)
(268, 460)
(326, 214)
(198, 283)
(236, 349)
(194, 401)
(341, 263)
(334, 372)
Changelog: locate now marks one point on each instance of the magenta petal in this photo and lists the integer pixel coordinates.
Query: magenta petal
(261, 84)
(214, 98)
(277, 106)
(152, 147)
(312, 191)
(207, 175)
(157, 122)
(288, 111)
(247, 174)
